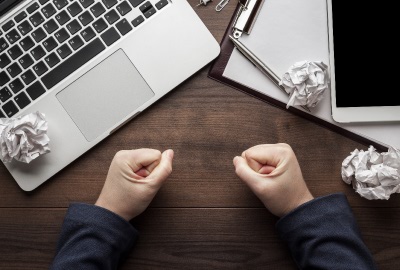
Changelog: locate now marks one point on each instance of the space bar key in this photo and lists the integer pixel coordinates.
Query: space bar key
(73, 63)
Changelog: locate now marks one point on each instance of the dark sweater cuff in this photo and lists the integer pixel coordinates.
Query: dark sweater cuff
(105, 220)
(314, 210)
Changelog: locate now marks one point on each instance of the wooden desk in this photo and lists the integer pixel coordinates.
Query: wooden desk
(204, 217)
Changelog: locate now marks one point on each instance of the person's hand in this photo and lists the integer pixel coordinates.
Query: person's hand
(133, 180)
(274, 175)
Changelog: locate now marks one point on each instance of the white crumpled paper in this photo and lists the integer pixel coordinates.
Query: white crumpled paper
(23, 138)
(306, 83)
(373, 175)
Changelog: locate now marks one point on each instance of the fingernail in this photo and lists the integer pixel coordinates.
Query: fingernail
(170, 153)
(235, 160)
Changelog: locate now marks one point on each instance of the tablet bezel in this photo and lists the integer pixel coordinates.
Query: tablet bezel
(354, 114)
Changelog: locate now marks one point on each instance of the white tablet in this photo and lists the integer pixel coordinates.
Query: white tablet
(363, 62)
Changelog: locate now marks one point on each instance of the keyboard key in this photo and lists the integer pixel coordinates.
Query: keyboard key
(138, 20)
(15, 52)
(12, 36)
(100, 25)
(149, 12)
(40, 68)
(39, 34)
(7, 26)
(111, 16)
(143, 8)
(14, 70)
(62, 35)
(135, 3)
(49, 44)
(28, 77)
(16, 86)
(3, 44)
(22, 100)
(85, 18)
(20, 16)
(35, 90)
(97, 9)
(124, 8)
(4, 60)
(2, 115)
(26, 61)
(5, 94)
(77, 60)
(24, 28)
(49, 10)
(26, 43)
(60, 3)
(88, 33)
(38, 52)
(36, 19)
(32, 8)
(74, 9)
(86, 3)
(10, 109)
(110, 36)
(50, 26)
(123, 27)
(161, 4)
(52, 60)
(42, 2)
(75, 42)
(109, 3)
(64, 51)
(74, 27)
(62, 17)
(4, 78)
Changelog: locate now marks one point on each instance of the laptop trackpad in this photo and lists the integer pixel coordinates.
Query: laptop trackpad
(105, 95)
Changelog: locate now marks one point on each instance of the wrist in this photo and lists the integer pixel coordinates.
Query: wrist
(305, 197)
(103, 203)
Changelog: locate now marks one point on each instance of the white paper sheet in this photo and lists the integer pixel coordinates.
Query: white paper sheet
(288, 31)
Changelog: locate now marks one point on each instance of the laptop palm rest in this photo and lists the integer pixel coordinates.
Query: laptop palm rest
(109, 92)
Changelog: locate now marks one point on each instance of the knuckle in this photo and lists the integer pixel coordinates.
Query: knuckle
(285, 145)
(121, 158)
(120, 155)
(286, 149)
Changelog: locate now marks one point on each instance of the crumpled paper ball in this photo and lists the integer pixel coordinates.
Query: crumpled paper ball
(306, 83)
(373, 175)
(23, 138)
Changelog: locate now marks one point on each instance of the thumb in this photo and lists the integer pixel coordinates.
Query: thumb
(242, 169)
(164, 168)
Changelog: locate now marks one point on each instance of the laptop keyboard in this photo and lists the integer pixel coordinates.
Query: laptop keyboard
(49, 39)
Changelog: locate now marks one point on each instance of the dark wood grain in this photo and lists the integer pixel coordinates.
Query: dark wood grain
(204, 217)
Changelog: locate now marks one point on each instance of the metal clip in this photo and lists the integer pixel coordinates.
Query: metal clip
(246, 16)
(203, 2)
(244, 3)
(221, 5)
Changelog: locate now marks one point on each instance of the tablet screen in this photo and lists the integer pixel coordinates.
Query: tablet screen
(364, 50)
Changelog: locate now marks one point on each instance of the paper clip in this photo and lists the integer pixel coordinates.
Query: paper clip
(221, 5)
(203, 2)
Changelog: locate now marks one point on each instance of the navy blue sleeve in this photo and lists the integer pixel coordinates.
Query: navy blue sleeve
(93, 237)
(323, 234)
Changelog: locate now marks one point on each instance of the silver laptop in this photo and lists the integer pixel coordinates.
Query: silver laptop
(90, 66)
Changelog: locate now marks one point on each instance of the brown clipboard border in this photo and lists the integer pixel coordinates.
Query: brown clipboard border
(216, 73)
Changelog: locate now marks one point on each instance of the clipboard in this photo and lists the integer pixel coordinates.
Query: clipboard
(217, 70)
